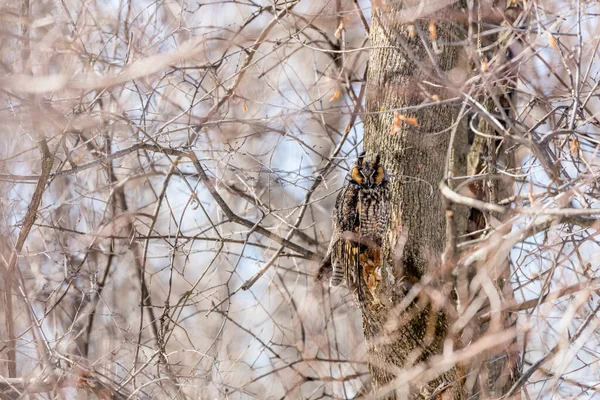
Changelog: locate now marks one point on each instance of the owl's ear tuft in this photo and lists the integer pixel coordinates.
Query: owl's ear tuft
(377, 159)
(361, 158)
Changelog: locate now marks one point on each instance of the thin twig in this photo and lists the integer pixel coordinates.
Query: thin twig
(28, 221)
(527, 374)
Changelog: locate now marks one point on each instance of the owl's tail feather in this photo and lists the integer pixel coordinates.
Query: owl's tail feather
(337, 276)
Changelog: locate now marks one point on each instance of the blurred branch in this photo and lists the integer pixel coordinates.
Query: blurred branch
(28, 221)
(559, 212)
(17, 388)
(438, 364)
(318, 181)
(592, 285)
(527, 374)
(246, 63)
(469, 201)
(14, 388)
(208, 183)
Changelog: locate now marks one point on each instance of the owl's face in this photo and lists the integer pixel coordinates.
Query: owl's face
(368, 174)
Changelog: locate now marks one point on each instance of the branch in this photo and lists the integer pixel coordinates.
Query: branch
(28, 221)
(527, 374)
(438, 364)
(592, 285)
(208, 183)
(468, 201)
(14, 388)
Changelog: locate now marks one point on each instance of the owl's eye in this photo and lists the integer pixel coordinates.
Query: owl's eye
(357, 176)
(379, 175)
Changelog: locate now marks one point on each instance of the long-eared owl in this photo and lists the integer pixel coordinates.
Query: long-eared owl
(360, 218)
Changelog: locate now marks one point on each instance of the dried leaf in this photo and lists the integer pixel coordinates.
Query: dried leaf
(335, 96)
(575, 147)
(338, 31)
(484, 64)
(552, 40)
(399, 118)
(396, 124)
(409, 120)
(396, 119)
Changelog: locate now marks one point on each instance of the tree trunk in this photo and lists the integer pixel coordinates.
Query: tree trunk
(404, 62)
(406, 316)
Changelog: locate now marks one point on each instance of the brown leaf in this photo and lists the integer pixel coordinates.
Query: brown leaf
(335, 96)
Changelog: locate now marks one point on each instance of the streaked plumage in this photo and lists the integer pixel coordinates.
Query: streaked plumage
(360, 219)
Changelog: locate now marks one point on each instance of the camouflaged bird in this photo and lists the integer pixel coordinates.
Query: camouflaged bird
(360, 217)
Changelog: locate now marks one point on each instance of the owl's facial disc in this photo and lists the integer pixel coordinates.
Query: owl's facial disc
(357, 176)
(379, 175)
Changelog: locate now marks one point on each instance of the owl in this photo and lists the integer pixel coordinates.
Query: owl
(360, 218)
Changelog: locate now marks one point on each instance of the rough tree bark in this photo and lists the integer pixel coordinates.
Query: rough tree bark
(409, 66)
(402, 61)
